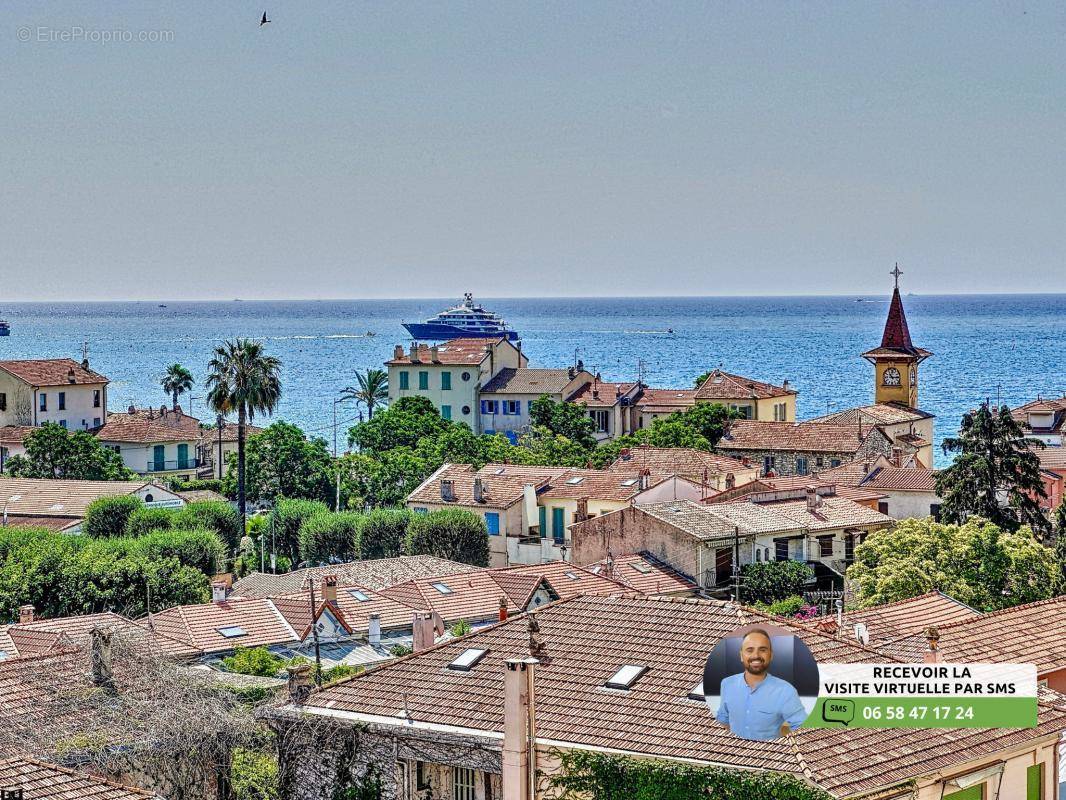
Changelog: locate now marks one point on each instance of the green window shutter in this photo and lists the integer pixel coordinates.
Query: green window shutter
(405, 379)
(558, 524)
(445, 412)
(973, 793)
(423, 380)
(1034, 782)
(543, 521)
(445, 381)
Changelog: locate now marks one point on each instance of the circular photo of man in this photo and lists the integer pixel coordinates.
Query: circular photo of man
(761, 682)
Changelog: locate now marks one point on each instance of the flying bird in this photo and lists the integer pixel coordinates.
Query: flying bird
(264, 20)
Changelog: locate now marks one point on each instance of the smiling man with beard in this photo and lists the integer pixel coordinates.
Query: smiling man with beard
(754, 703)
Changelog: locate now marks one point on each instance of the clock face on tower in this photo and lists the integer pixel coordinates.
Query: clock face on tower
(891, 377)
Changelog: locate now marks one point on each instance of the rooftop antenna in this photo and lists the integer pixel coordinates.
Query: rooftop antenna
(896, 272)
(85, 351)
(641, 366)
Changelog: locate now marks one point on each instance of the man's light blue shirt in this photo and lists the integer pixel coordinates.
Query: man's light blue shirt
(759, 713)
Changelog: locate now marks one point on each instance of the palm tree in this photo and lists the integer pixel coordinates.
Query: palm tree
(373, 390)
(244, 379)
(177, 381)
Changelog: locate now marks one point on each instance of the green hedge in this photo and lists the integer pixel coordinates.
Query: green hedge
(326, 538)
(108, 516)
(285, 522)
(222, 518)
(383, 532)
(452, 533)
(770, 581)
(146, 520)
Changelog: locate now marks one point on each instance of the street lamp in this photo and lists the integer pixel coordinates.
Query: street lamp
(337, 499)
(13, 499)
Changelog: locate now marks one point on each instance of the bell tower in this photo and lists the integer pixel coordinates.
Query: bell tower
(896, 360)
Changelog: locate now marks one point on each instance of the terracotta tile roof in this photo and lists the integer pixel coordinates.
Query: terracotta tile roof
(896, 339)
(229, 431)
(149, 425)
(19, 640)
(877, 414)
(724, 386)
(601, 394)
(688, 462)
(529, 381)
(811, 437)
(43, 781)
(1055, 406)
(373, 574)
(52, 372)
(904, 617)
(1051, 458)
(791, 483)
(881, 474)
(500, 491)
(15, 435)
(666, 400)
(200, 625)
(646, 574)
(586, 639)
(455, 351)
(44, 497)
(1033, 633)
(598, 484)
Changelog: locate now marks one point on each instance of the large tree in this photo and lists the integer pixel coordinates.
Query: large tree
(54, 452)
(371, 390)
(570, 420)
(978, 563)
(245, 380)
(281, 461)
(177, 381)
(403, 424)
(996, 474)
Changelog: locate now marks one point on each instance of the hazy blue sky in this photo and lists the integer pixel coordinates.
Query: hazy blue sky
(581, 148)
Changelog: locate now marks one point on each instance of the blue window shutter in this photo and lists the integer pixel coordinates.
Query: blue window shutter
(484, 406)
(492, 522)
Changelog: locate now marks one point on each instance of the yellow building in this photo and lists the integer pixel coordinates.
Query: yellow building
(750, 398)
(896, 360)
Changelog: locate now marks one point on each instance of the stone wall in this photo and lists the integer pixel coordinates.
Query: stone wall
(632, 531)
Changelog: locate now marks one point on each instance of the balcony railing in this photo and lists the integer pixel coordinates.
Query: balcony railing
(170, 466)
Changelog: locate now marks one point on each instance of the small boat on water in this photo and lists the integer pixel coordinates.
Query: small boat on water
(5, 328)
(468, 319)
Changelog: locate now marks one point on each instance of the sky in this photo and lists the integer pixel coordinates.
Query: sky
(360, 150)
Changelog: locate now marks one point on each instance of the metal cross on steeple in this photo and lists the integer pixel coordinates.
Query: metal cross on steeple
(896, 272)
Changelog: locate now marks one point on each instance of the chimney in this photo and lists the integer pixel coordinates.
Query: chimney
(425, 626)
(103, 677)
(85, 363)
(865, 468)
(329, 589)
(299, 682)
(132, 409)
(447, 489)
(784, 384)
(813, 501)
(897, 456)
(434, 354)
(503, 609)
(645, 479)
(70, 376)
(397, 352)
(932, 655)
(218, 592)
(479, 489)
(517, 729)
(26, 614)
(373, 635)
(570, 373)
(414, 351)
(580, 365)
(581, 513)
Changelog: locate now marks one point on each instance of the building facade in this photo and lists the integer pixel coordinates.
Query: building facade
(159, 442)
(751, 399)
(58, 390)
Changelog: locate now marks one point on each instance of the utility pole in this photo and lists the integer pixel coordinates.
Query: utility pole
(221, 425)
(336, 464)
(314, 634)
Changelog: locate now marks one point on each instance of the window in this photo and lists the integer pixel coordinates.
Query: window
(445, 381)
(467, 659)
(914, 377)
(465, 376)
(62, 401)
(442, 587)
(934, 511)
(542, 518)
(405, 380)
(825, 546)
(626, 676)
(492, 522)
(513, 407)
(490, 406)
(1034, 782)
(781, 549)
(571, 575)
(882, 506)
(801, 465)
(697, 693)
(96, 398)
(63, 424)
(463, 784)
(642, 567)
(421, 778)
(361, 596)
(973, 793)
(602, 420)
(445, 412)
(232, 631)
(834, 462)
(744, 412)
(96, 422)
(629, 482)
(44, 401)
(891, 377)
(819, 462)
(768, 463)
(558, 525)
(423, 380)
(466, 411)
(3, 401)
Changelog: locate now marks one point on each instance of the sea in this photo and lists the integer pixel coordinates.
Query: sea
(1003, 348)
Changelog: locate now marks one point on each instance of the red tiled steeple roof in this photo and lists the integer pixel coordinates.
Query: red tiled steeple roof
(897, 335)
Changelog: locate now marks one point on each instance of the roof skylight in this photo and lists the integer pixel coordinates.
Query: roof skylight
(571, 575)
(467, 659)
(629, 482)
(232, 631)
(626, 676)
(576, 480)
(642, 567)
(442, 587)
(358, 595)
